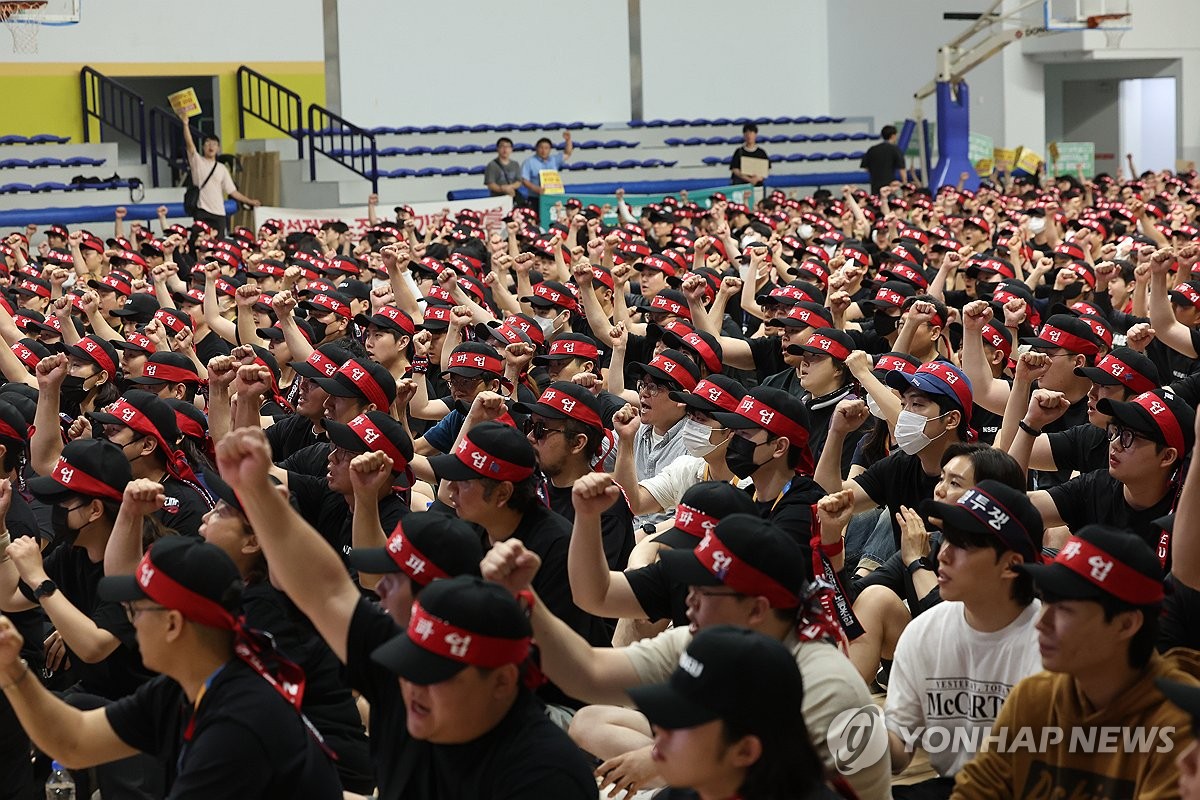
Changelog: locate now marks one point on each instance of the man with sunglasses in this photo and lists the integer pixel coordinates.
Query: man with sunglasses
(566, 430)
(1149, 436)
(472, 368)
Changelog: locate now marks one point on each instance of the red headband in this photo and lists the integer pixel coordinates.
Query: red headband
(715, 395)
(905, 271)
(709, 356)
(715, 557)
(660, 303)
(889, 296)
(437, 314)
(74, 479)
(189, 427)
(827, 345)
(890, 363)
(326, 302)
(1068, 341)
(131, 416)
(488, 465)
(995, 338)
(674, 370)
(556, 297)
(169, 373)
(777, 423)
(573, 408)
(97, 353)
(459, 644)
(693, 522)
(1110, 575)
(574, 348)
(1188, 292)
(1164, 418)
(483, 361)
(399, 317)
(411, 561)
(166, 591)
(373, 438)
(171, 320)
(366, 384)
(322, 362)
(27, 356)
(1126, 374)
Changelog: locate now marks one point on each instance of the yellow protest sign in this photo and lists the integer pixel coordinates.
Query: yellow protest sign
(185, 101)
(1028, 161)
(1004, 158)
(551, 181)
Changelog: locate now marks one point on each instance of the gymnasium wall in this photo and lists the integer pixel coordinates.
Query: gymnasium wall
(281, 38)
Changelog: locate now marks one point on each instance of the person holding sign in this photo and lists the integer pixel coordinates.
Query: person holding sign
(544, 163)
(212, 178)
(749, 163)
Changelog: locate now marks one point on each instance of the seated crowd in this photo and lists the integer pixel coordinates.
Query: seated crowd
(668, 506)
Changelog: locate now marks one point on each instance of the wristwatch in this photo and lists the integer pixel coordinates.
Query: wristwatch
(916, 565)
(44, 590)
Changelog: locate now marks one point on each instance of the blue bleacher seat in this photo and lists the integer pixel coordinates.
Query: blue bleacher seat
(861, 136)
(452, 171)
(799, 137)
(553, 126)
(839, 137)
(591, 126)
(402, 173)
(456, 129)
(692, 141)
(700, 121)
(720, 121)
(656, 123)
(10, 163)
(53, 186)
(46, 162)
(817, 156)
(674, 141)
(82, 161)
(762, 120)
(629, 163)
(782, 121)
(802, 120)
(775, 158)
(481, 128)
(521, 147)
(442, 150)
(778, 138)
(733, 140)
(427, 172)
(418, 150)
(48, 138)
(430, 129)
(794, 158)
(819, 137)
(378, 129)
(477, 170)
(408, 130)
(579, 165)
(711, 161)
(529, 126)
(837, 155)
(467, 149)
(857, 154)
(13, 188)
(679, 122)
(385, 152)
(637, 123)
(740, 121)
(669, 163)
(604, 165)
(506, 127)
(13, 138)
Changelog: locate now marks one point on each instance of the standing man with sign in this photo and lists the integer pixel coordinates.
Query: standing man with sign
(212, 180)
(535, 169)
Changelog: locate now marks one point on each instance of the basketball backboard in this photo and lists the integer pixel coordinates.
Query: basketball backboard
(1080, 15)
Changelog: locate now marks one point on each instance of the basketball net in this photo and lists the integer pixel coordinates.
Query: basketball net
(23, 20)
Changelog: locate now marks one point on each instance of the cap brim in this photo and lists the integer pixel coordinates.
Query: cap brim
(447, 467)
(415, 664)
(734, 421)
(542, 361)
(665, 706)
(1097, 375)
(142, 380)
(130, 346)
(542, 410)
(467, 372)
(335, 389)
(1186, 696)
(1131, 416)
(676, 539)
(373, 561)
(684, 568)
(120, 589)
(48, 490)
(270, 334)
(695, 402)
(340, 434)
(104, 418)
(953, 517)
(899, 380)
(1059, 582)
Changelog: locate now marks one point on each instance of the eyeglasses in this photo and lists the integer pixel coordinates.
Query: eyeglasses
(538, 429)
(340, 454)
(1124, 436)
(650, 388)
(462, 382)
(131, 611)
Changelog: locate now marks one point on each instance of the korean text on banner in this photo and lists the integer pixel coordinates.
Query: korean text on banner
(1068, 157)
(979, 152)
(185, 101)
(607, 203)
(492, 211)
(1003, 158)
(551, 181)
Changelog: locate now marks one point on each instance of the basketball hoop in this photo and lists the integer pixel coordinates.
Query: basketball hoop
(23, 18)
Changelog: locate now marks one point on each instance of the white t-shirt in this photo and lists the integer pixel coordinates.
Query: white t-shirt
(668, 486)
(948, 675)
(831, 685)
(212, 194)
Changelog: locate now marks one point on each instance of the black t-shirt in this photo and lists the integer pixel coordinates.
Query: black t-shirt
(881, 162)
(312, 460)
(1076, 415)
(327, 700)
(735, 162)
(792, 511)
(212, 346)
(525, 757)
(820, 414)
(768, 357)
(78, 578)
(1179, 625)
(185, 514)
(1172, 364)
(290, 435)
(330, 514)
(897, 480)
(658, 595)
(1083, 448)
(246, 742)
(1099, 498)
(616, 523)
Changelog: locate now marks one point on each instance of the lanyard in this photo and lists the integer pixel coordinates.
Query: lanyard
(782, 492)
(732, 481)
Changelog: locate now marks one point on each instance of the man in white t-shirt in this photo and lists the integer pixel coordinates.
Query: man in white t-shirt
(956, 663)
(213, 178)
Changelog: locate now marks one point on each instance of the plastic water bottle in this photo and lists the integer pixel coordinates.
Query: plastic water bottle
(60, 785)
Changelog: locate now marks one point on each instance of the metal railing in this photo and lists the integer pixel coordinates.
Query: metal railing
(166, 143)
(344, 142)
(271, 102)
(111, 103)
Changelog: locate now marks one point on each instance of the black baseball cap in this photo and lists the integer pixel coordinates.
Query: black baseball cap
(702, 346)
(728, 673)
(165, 366)
(1068, 332)
(744, 552)
(777, 411)
(209, 575)
(489, 450)
(825, 342)
(702, 506)
(322, 362)
(144, 412)
(1161, 416)
(1101, 562)
(474, 360)
(98, 351)
(565, 400)
(374, 431)
(712, 394)
(389, 318)
(88, 468)
(13, 426)
(456, 623)
(1126, 367)
(670, 366)
(992, 509)
(362, 378)
(140, 308)
(569, 346)
(425, 546)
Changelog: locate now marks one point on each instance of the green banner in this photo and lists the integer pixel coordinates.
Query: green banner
(742, 193)
(1067, 157)
(980, 150)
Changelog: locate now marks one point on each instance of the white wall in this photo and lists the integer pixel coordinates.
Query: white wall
(712, 58)
(149, 31)
(462, 61)
(1148, 122)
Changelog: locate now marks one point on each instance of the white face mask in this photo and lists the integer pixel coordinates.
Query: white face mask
(805, 231)
(696, 437)
(1037, 224)
(910, 432)
(546, 324)
(874, 408)
(829, 249)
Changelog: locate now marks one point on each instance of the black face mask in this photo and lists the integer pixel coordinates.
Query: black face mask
(72, 394)
(739, 457)
(63, 532)
(319, 330)
(885, 325)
